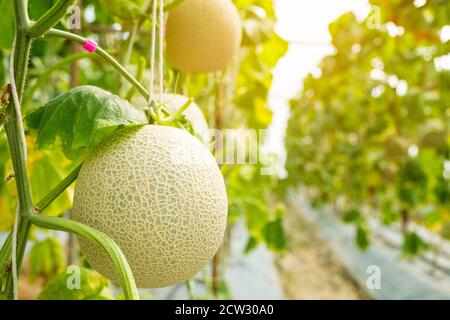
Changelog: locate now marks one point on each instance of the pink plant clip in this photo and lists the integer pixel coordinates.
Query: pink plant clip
(90, 45)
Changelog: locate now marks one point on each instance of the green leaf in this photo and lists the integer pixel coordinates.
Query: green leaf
(413, 245)
(433, 219)
(413, 183)
(78, 120)
(257, 26)
(37, 8)
(362, 237)
(2, 67)
(273, 50)
(125, 10)
(352, 216)
(442, 191)
(46, 259)
(274, 235)
(7, 24)
(388, 214)
(77, 284)
(252, 243)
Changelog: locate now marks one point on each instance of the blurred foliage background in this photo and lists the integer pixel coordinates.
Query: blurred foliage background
(369, 131)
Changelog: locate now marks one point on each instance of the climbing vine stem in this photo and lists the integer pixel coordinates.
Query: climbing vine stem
(63, 185)
(26, 216)
(97, 238)
(16, 139)
(50, 18)
(102, 53)
(5, 251)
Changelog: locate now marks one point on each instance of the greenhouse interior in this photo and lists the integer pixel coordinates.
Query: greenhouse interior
(225, 150)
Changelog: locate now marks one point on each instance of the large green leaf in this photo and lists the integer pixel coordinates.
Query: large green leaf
(78, 120)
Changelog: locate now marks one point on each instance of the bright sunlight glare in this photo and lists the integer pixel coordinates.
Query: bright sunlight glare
(304, 24)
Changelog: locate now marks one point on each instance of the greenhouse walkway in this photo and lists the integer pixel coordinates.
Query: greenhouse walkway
(400, 278)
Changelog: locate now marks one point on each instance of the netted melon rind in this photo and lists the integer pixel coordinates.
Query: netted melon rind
(168, 216)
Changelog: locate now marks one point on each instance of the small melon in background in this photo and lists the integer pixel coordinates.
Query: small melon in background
(396, 147)
(203, 35)
(158, 192)
(193, 113)
(432, 134)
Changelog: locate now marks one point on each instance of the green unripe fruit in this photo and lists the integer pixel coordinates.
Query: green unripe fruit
(158, 192)
(203, 35)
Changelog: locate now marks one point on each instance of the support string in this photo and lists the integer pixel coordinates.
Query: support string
(153, 54)
(161, 49)
(157, 21)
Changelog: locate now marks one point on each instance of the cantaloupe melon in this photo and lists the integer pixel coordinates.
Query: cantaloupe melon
(203, 35)
(194, 114)
(174, 102)
(158, 192)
